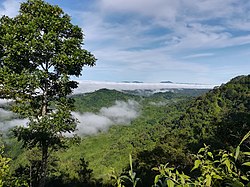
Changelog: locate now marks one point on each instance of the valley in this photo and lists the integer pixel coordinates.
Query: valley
(155, 128)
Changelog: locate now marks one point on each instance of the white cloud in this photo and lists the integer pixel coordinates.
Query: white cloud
(124, 47)
(188, 21)
(122, 113)
(174, 11)
(90, 86)
(5, 114)
(239, 24)
(4, 101)
(91, 123)
(166, 9)
(124, 37)
(198, 55)
(7, 121)
(143, 62)
(9, 7)
(6, 125)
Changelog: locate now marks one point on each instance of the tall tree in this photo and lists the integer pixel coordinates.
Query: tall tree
(39, 50)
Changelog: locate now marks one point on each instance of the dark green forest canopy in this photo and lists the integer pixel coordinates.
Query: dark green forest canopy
(221, 116)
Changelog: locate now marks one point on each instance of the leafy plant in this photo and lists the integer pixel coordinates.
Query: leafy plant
(214, 170)
(170, 176)
(6, 179)
(131, 177)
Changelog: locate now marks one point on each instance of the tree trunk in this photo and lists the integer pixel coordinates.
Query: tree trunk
(44, 166)
(31, 175)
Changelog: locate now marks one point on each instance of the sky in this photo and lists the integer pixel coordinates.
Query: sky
(191, 41)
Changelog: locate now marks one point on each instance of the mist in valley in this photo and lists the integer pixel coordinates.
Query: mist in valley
(9, 120)
(121, 113)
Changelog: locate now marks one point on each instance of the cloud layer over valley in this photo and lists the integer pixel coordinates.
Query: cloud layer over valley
(91, 86)
(8, 120)
(122, 113)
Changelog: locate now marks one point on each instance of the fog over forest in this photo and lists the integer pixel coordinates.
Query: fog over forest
(9, 120)
(121, 113)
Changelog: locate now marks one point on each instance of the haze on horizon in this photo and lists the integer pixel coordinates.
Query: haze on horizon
(197, 41)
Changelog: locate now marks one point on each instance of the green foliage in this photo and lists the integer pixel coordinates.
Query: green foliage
(214, 170)
(84, 172)
(6, 179)
(170, 176)
(93, 102)
(219, 117)
(125, 179)
(4, 168)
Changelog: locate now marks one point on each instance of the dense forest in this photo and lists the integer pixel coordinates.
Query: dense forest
(170, 128)
(51, 137)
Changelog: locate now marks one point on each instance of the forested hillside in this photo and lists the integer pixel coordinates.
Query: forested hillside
(220, 117)
(169, 128)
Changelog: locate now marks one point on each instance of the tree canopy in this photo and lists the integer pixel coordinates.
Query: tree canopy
(39, 50)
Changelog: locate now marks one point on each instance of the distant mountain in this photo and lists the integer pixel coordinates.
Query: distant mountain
(132, 82)
(166, 82)
(91, 86)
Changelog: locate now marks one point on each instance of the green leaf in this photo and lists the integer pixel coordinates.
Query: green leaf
(208, 180)
(130, 162)
(237, 183)
(227, 163)
(224, 155)
(170, 183)
(248, 184)
(244, 178)
(155, 169)
(217, 177)
(246, 164)
(246, 153)
(196, 164)
(201, 150)
(157, 177)
(237, 152)
(244, 138)
(182, 179)
(210, 154)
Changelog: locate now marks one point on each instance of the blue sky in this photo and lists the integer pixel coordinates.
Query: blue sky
(197, 41)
